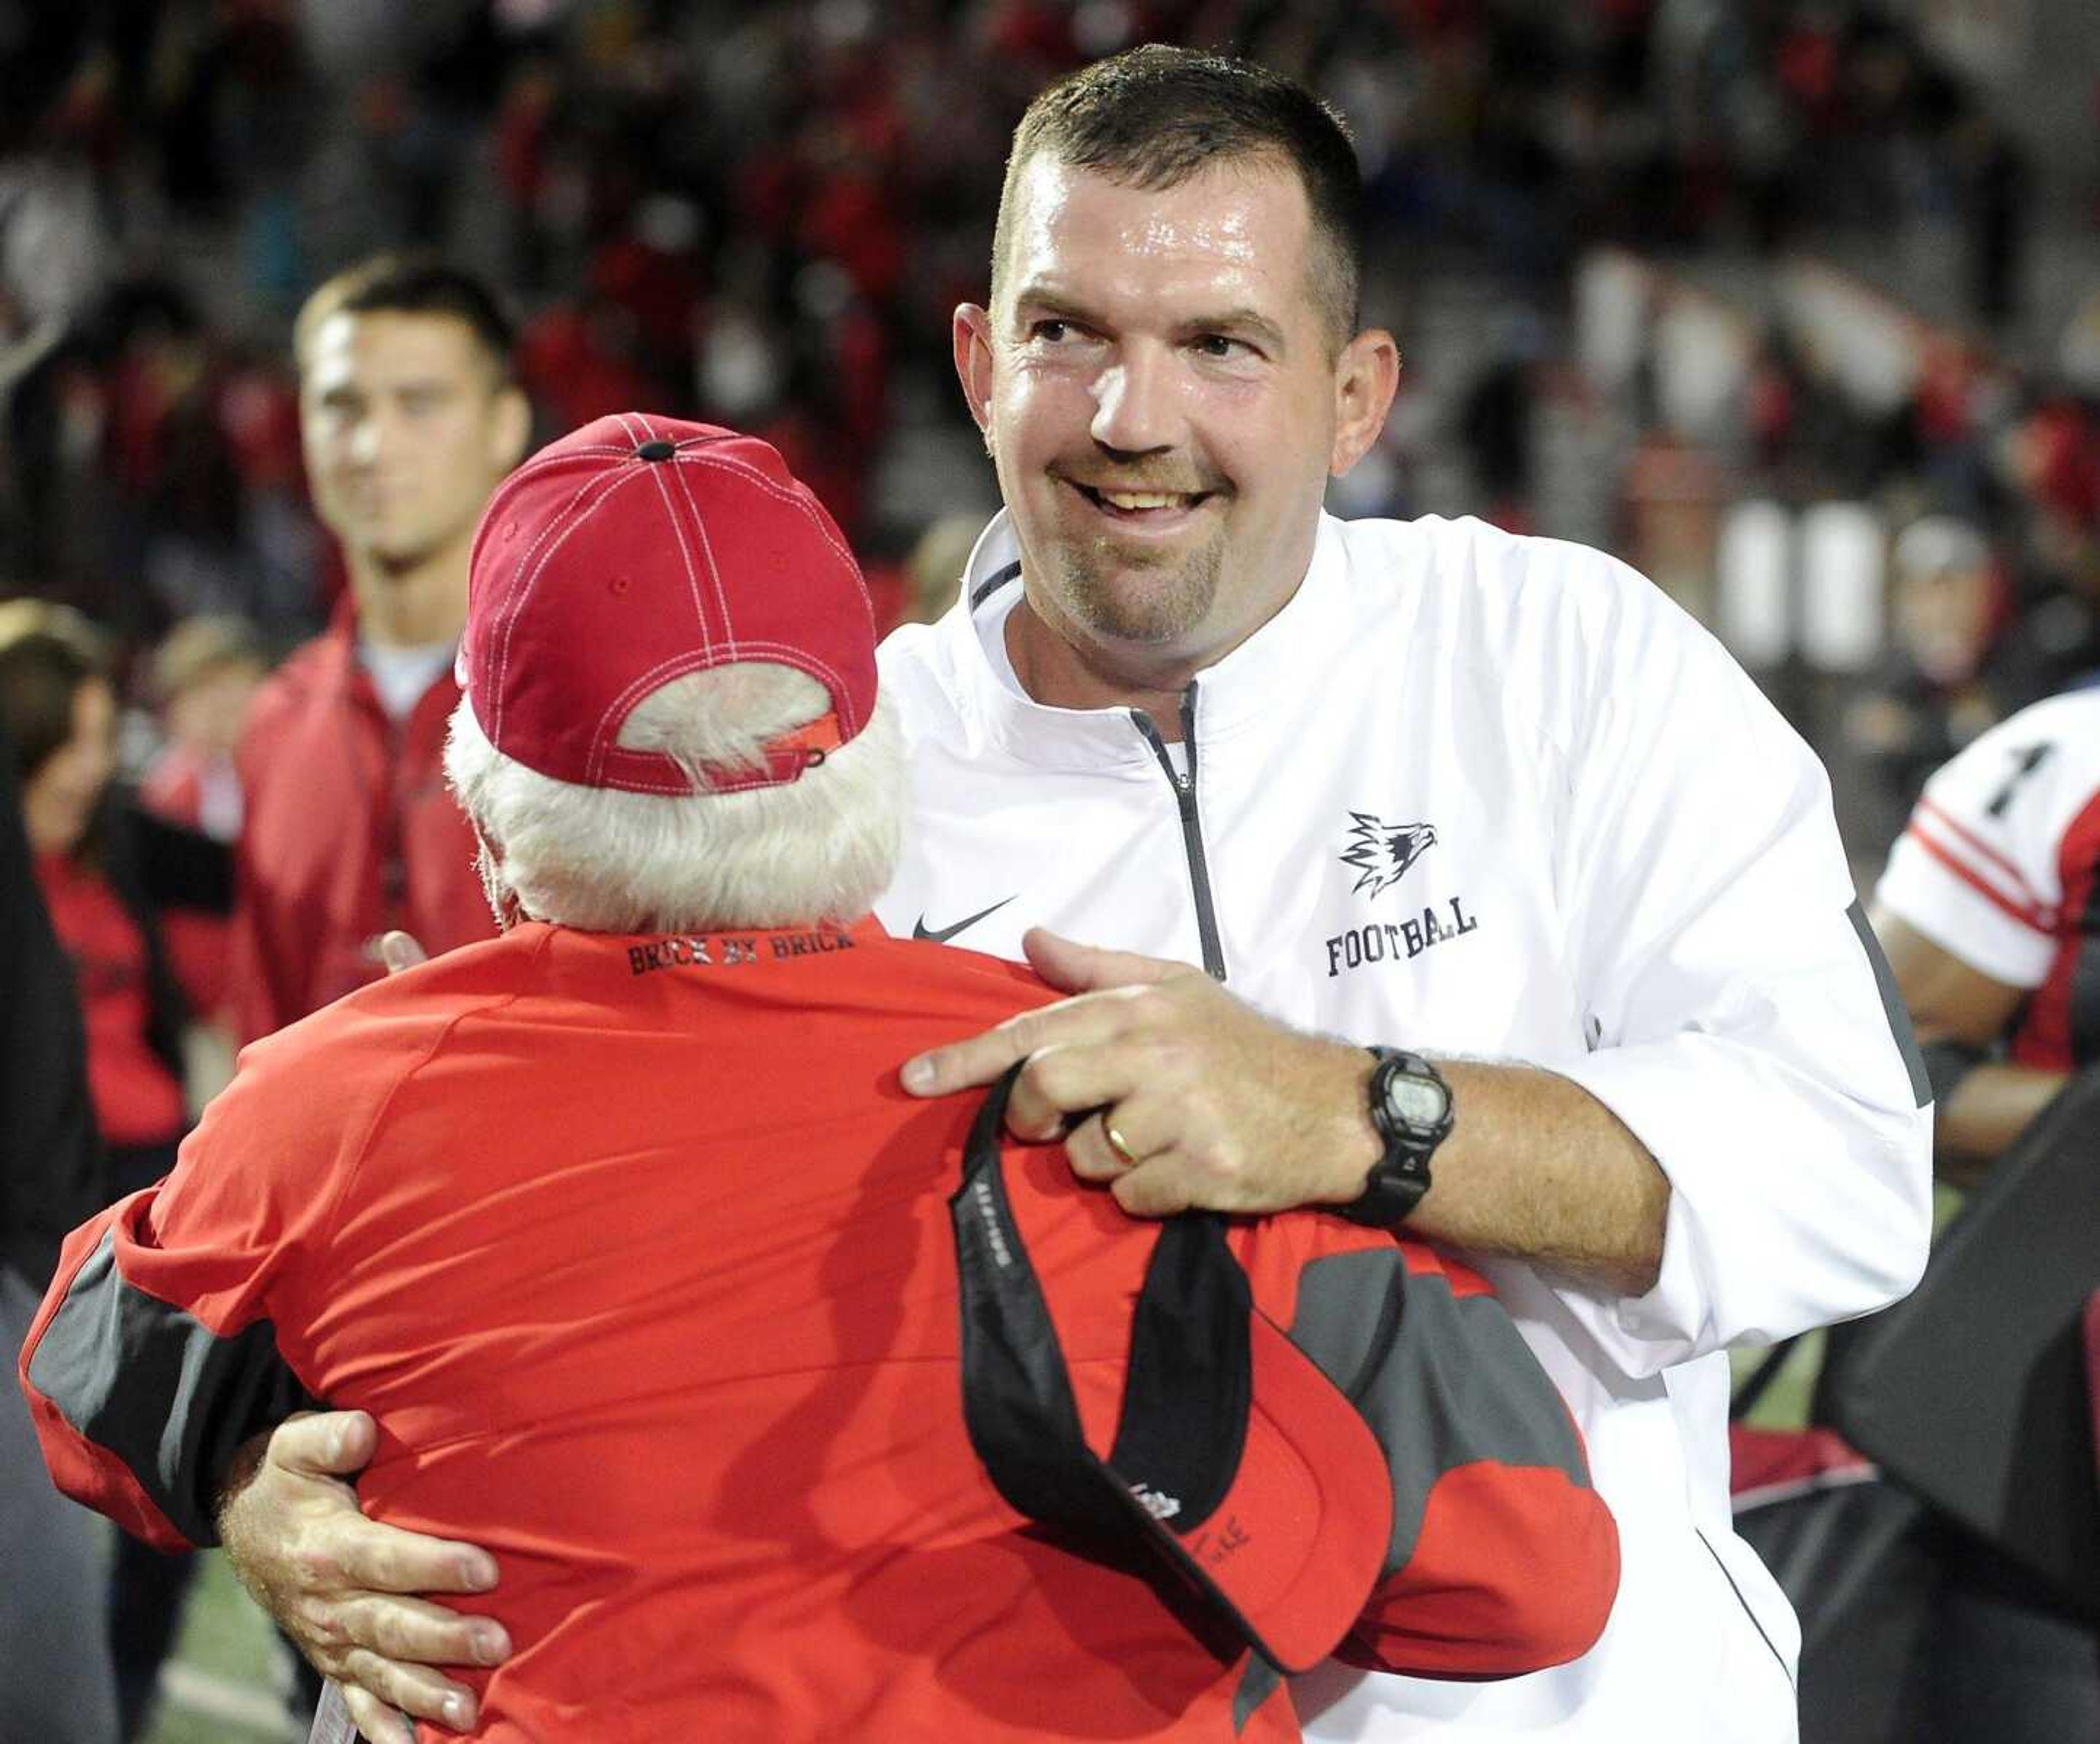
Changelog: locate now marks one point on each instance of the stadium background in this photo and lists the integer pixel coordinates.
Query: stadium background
(1743, 291)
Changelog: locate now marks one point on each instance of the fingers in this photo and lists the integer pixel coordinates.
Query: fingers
(381, 1647)
(1093, 1158)
(370, 1646)
(414, 1631)
(323, 1444)
(1157, 1185)
(366, 1556)
(399, 950)
(1118, 1016)
(1061, 1082)
(1158, 1189)
(1179, 1165)
(1071, 967)
(966, 1065)
(1120, 1145)
(344, 1587)
(941, 1072)
(373, 1685)
(1125, 994)
(375, 1721)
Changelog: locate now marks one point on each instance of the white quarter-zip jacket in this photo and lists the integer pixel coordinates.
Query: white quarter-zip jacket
(1494, 797)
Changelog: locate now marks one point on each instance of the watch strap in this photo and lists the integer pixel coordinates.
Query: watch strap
(1400, 1176)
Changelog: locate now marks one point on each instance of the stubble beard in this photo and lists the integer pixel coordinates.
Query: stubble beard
(408, 550)
(1151, 602)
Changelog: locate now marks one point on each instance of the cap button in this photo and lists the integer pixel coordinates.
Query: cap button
(660, 449)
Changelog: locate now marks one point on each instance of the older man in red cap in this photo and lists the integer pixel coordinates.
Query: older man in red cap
(792, 1406)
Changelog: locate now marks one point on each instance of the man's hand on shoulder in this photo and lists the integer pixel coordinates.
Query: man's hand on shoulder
(1225, 1109)
(343, 1586)
(1220, 1107)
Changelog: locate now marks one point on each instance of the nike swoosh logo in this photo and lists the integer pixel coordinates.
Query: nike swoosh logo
(941, 934)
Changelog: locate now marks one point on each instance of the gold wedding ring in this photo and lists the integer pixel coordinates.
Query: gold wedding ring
(1119, 1145)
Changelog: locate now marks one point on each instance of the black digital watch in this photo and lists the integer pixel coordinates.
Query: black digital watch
(1411, 1107)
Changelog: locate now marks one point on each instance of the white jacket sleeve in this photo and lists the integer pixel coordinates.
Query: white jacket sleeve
(1745, 1026)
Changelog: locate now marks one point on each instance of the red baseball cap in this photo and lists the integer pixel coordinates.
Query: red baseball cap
(637, 549)
(1238, 1463)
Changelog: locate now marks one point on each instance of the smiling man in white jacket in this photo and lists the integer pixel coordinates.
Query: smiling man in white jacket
(1426, 786)
(1491, 805)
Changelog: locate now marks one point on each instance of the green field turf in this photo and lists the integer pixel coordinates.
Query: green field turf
(228, 1673)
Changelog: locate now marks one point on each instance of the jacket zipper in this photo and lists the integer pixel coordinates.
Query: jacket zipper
(1192, 824)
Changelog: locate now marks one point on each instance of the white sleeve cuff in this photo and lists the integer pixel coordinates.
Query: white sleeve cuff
(1791, 1206)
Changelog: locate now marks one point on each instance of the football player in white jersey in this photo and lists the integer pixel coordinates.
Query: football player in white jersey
(1990, 910)
(1991, 916)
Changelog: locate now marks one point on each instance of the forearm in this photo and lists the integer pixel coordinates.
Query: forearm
(1176, 1094)
(1979, 1120)
(1537, 1168)
(238, 1536)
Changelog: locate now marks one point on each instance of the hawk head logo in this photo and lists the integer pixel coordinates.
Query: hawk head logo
(1382, 851)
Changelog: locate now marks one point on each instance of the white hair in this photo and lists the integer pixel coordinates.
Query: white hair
(821, 848)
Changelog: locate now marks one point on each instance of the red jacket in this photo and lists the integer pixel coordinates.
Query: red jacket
(641, 1259)
(137, 1097)
(199, 946)
(349, 831)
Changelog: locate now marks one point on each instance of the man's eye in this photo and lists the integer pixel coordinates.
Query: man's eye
(1050, 332)
(1220, 345)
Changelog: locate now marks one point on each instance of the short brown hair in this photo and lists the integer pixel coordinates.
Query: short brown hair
(1154, 117)
(47, 652)
(201, 647)
(411, 282)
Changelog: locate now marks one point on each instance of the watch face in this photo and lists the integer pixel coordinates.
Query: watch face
(1416, 1101)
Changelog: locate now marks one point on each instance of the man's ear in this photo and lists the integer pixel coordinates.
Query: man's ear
(512, 428)
(1366, 377)
(974, 362)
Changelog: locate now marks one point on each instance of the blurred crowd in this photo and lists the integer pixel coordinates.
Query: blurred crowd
(764, 213)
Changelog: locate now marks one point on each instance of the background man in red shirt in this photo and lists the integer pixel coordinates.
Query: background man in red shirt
(651, 1278)
(409, 414)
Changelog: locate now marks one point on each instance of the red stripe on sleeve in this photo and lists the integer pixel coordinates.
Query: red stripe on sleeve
(2050, 1028)
(1977, 845)
(2027, 914)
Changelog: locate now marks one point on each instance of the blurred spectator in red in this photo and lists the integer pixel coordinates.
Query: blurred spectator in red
(205, 676)
(573, 358)
(61, 709)
(106, 872)
(2059, 461)
(410, 413)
